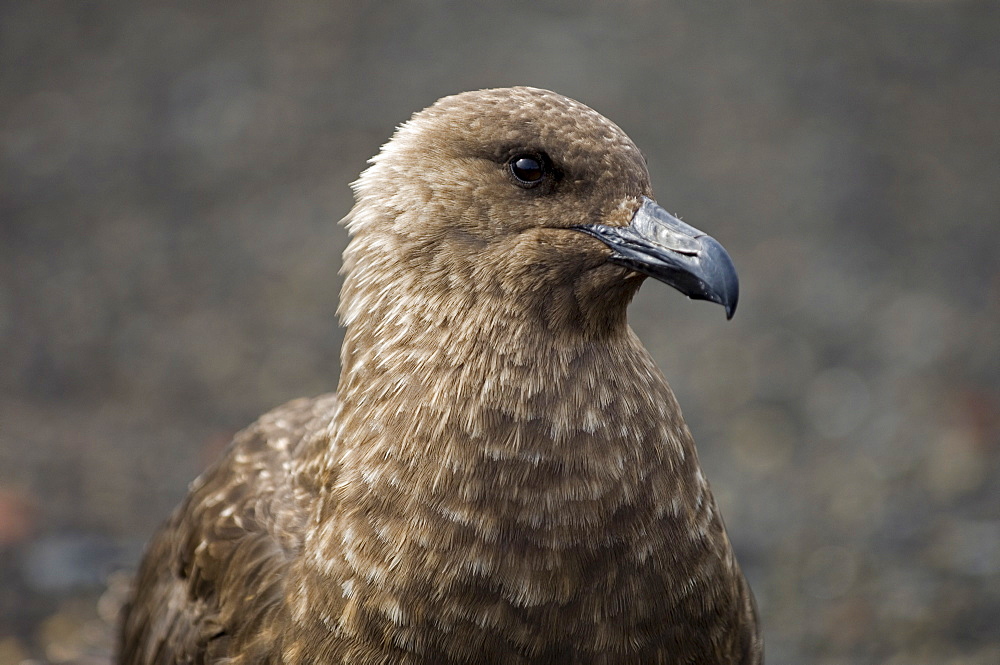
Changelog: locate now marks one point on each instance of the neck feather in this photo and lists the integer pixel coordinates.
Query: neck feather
(484, 455)
(490, 397)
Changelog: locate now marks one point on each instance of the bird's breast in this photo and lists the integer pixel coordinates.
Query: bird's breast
(524, 505)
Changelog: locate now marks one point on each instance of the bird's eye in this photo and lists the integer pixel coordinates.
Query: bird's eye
(527, 170)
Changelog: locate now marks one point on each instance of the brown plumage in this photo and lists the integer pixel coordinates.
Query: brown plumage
(504, 475)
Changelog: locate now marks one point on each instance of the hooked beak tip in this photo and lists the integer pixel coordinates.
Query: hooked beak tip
(658, 244)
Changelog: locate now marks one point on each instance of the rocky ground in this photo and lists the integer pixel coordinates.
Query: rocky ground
(170, 180)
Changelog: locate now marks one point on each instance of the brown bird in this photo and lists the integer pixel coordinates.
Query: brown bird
(504, 475)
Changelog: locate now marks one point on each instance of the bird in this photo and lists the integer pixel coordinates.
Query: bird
(503, 474)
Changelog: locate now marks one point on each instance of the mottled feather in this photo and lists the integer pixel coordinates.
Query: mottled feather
(504, 475)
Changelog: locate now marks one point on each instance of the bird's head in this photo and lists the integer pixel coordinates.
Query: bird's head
(526, 195)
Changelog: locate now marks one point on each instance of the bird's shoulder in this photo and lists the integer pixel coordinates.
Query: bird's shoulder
(227, 547)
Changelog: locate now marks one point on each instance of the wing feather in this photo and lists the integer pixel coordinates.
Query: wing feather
(227, 547)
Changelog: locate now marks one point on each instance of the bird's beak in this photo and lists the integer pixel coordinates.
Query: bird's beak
(658, 244)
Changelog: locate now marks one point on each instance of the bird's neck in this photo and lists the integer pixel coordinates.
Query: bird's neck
(460, 376)
(498, 464)
(489, 412)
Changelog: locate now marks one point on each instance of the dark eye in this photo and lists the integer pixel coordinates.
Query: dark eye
(527, 170)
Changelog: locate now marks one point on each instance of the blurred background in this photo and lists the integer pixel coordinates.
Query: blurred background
(172, 174)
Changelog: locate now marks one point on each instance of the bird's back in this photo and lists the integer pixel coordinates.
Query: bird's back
(213, 575)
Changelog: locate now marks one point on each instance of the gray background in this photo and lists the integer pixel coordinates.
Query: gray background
(172, 174)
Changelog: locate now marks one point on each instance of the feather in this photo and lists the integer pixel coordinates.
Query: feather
(504, 475)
